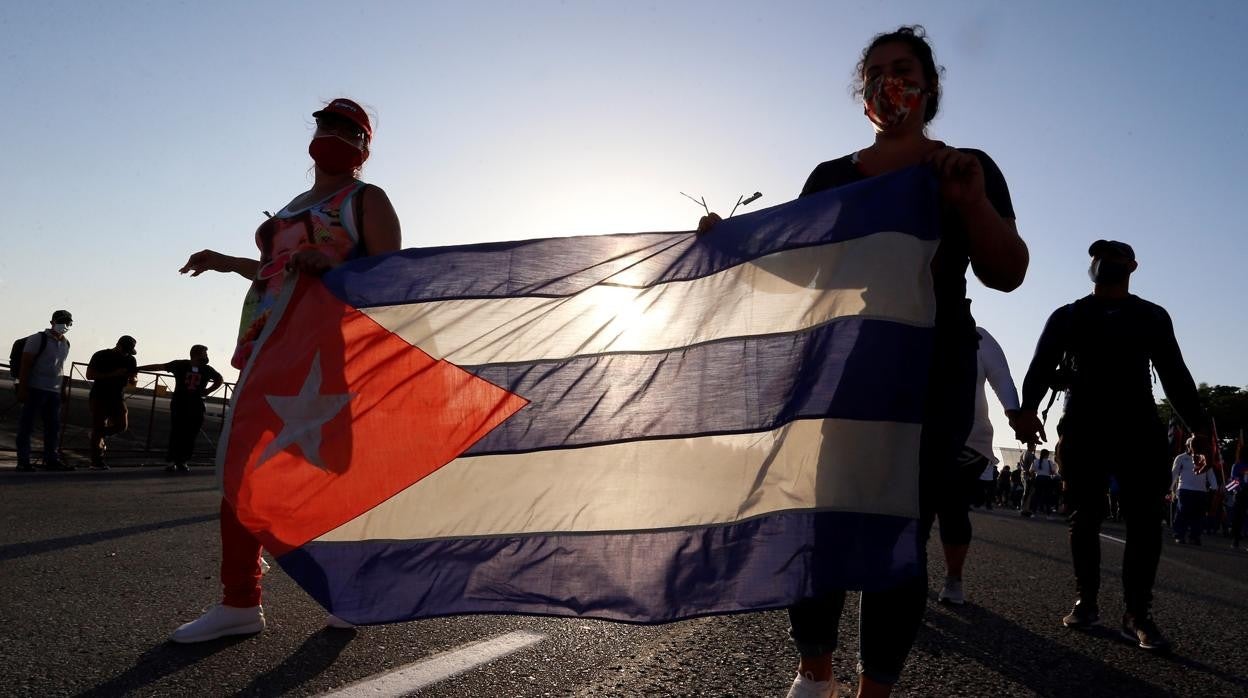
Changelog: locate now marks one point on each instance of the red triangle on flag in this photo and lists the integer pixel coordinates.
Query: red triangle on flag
(338, 414)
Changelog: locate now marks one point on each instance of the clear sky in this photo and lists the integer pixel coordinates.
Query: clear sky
(138, 132)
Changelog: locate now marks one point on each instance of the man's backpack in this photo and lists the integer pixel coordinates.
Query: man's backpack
(15, 354)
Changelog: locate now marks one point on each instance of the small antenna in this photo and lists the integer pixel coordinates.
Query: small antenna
(743, 201)
(701, 202)
(267, 214)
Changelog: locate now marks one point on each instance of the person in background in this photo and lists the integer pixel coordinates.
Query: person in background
(109, 370)
(39, 391)
(193, 380)
(1104, 345)
(1192, 481)
(975, 461)
(1238, 484)
(1003, 486)
(338, 219)
(1044, 474)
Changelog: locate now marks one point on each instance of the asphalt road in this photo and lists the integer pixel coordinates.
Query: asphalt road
(97, 568)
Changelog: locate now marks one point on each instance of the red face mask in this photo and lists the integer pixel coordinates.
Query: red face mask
(335, 155)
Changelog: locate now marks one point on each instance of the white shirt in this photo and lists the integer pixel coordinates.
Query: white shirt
(994, 370)
(1184, 473)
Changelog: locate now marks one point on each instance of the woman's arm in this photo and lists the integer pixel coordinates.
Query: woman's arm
(211, 260)
(381, 233)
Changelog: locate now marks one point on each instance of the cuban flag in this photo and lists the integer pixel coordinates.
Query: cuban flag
(639, 428)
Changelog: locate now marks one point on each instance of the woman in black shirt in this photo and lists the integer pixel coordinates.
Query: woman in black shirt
(899, 83)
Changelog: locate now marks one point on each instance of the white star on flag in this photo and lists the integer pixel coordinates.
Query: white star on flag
(303, 416)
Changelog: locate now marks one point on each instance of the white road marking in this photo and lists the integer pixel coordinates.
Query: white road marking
(1116, 540)
(413, 677)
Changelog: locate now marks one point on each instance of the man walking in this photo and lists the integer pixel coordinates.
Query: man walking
(1104, 344)
(110, 369)
(39, 391)
(1193, 481)
(193, 381)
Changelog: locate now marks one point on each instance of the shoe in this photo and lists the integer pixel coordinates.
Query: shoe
(1179, 541)
(221, 621)
(805, 687)
(264, 566)
(98, 465)
(171, 468)
(1083, 615)
(1025, 514)
(1143, 631)
(25, 468)
(333, 621)
(183, 468)
(952, 593)
(57, 465)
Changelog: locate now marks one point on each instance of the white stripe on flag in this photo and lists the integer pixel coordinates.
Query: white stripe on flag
(831, 464)
(783, 292)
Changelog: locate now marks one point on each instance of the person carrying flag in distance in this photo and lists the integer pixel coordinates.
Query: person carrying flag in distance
(1104, 344)
(900, 86)
(338, 219)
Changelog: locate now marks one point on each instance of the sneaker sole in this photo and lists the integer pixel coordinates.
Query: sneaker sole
(1082, 626)
(1136, 641)
(247, 629)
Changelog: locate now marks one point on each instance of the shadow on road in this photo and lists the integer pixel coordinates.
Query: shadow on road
(315, 655)
(16, 550)
(1028, 659)
(158, 662)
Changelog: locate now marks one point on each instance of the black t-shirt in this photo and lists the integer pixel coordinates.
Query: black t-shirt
(953, 254)
(104, 361)
(1112, 342)
(190, 380)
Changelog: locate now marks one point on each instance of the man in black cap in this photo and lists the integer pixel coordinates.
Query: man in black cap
(39, 390)
(110, 369)
(194, 380)
(1099, 349)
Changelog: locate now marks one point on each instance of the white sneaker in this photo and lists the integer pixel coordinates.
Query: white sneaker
(264, 566)
(952, 593)
(333, 621)
(220, 621)
(809, 688)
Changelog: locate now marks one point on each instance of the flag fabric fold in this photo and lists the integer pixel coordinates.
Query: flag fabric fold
(641, 427)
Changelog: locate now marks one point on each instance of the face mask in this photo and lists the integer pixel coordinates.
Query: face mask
(1108, 272)
(889, 100)
(334, 155)
(60, 328)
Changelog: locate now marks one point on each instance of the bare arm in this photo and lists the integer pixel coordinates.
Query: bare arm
(999, 257)
(211, 260)
(381, 231)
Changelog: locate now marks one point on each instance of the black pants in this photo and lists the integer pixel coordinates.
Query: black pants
(889, 620)
(186, 417)
(1134, 451)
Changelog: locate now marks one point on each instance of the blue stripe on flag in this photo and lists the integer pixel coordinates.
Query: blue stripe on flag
(565, 266)
(646, 577)
(851, 368)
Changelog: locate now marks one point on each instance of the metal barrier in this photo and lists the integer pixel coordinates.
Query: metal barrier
(147, 401)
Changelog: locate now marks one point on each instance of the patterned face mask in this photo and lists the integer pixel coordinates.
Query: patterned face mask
(889, 100)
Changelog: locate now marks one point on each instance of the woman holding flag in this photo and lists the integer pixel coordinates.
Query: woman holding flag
(338, 219)
(899, 83)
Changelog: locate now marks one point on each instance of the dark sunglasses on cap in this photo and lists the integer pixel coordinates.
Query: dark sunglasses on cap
(339, 125)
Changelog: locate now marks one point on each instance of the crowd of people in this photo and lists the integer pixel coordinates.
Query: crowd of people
(1110, 457)
(40, 381)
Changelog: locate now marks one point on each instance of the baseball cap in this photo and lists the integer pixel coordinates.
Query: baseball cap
(348, 110)
(1111, 248)
(63, 316)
